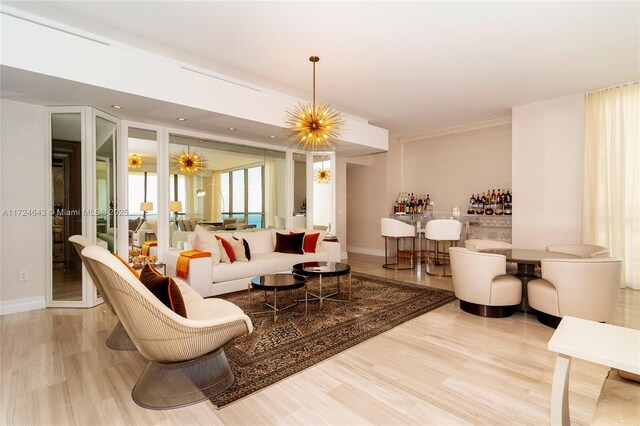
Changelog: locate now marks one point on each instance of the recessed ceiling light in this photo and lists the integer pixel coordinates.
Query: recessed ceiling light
(231, 128)
(181, 119)
(272, 136)
(116, 107)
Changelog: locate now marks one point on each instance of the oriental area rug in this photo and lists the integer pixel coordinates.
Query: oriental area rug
(276, 350)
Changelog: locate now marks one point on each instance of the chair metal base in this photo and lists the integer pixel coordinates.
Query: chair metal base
(164, 386)
(432, 262)
(486, 311)
(119, 340)
(548, 319)
(395, 265)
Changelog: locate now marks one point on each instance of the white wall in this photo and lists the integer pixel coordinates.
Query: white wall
(23, 181)
(548, 151)
(451, 167)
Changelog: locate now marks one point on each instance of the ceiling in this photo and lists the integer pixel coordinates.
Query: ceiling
(410, 67)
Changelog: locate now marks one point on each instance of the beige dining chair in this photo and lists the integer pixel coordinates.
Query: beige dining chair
(187, 363)
(481, 282)
(480, 244)
(582, 288)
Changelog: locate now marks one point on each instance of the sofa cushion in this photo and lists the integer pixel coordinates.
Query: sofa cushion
(259, 241)
(165, 289)
(134, 224)
(289, 243)
(238, 250)
(313, 231)
(263, 264)
(203, 240)
(310, 242)
(226, 251)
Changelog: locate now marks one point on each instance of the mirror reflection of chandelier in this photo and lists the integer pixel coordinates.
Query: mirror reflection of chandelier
(322, 174)
(188, 163)
(135, 161)
(314, 127)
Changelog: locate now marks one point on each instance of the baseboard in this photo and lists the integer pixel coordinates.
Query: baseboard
(14, 306)
(366, 250)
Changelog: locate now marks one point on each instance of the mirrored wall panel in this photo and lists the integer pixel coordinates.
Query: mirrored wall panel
(299, 219)
(221, 185)
(66, 171)
(322, 192)
(142, 186)
(105, 196)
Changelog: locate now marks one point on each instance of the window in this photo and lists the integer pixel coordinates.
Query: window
(142, 187)
(244, 188)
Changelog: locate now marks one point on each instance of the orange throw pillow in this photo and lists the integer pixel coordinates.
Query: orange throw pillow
(310, 242)
(227, 248)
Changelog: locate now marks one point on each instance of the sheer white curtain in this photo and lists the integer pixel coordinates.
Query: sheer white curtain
(216, 196)
(611, 210)
(270, 193)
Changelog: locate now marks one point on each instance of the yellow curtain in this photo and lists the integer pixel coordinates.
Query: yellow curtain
(216, 196)
(611, 197)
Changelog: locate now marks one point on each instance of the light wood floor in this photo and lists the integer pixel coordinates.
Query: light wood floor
(445, 367)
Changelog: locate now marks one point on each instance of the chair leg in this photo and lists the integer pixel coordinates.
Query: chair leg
(397, 262)
(164, 386)
(119, 340)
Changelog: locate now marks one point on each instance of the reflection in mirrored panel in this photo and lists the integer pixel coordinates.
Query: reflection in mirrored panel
(322, 192)
(142, 186)
(106, 133)
(299, 191)
(66, 153)
(236, 187)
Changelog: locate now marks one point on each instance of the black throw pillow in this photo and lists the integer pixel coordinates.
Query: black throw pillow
(247, 250)
(165, 289)
(289, 243)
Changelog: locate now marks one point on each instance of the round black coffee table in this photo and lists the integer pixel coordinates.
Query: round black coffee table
(278, 283)
(324, 269)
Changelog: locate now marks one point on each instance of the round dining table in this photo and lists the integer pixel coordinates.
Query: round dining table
(527, 260)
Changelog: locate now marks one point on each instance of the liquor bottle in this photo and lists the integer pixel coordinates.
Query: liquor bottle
(488, 210)
(508, 203)
(472, 205)
(493, 194)
(499, 208)
(479, 205)
(428, 201)
(483, 199)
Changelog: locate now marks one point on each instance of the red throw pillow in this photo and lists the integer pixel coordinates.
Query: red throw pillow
(228, 249)
(165, 289)
(310, 242)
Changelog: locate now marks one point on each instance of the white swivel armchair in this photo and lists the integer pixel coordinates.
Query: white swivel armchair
(441, 231)
(480, 244)
(481, 283)
(392, 228)
(582, 288)
(582, 250)
(187, 363)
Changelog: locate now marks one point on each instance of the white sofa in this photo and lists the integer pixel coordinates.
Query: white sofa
(210, 278)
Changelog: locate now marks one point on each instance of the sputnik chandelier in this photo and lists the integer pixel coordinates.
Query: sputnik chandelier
(187, 163)
(135, 162)
(314, 127)
(321, 174)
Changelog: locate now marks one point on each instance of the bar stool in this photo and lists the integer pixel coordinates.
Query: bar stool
(442, 231)
(392, 228)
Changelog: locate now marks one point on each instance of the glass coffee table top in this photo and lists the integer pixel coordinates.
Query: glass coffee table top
(273, 282)
(326, 269)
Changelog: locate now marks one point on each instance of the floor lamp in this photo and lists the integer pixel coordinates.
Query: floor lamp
(202, 193)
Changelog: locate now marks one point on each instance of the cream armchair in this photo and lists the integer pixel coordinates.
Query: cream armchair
(479, 244)
(146, 232)
(482, 285)
(187, 363)
(118, 339)
(582, 288)
(581, 250)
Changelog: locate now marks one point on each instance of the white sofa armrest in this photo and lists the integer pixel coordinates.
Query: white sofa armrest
(333, 248)
(200, 276)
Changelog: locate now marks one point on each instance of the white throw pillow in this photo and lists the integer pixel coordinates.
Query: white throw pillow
(224, 257)
(238, 250)
(202, 240)
(259, 241)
